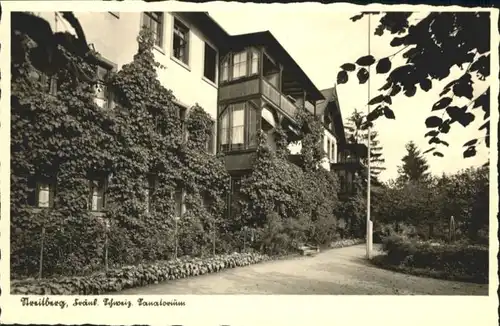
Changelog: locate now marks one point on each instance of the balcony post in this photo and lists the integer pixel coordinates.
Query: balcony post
(281, 78)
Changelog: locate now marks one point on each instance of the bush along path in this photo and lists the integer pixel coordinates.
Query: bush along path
(455, 262)
(146, 274)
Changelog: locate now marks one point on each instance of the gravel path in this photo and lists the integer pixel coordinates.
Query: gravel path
(337, 271)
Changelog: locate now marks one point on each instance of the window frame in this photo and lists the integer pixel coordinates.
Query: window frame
(160, 27)
(180, 207)
(229, 59)
(215, 63)
(51, 183)
(176, 21)
(248, 109)
(151, 184)
(110, 67)
(102, 182)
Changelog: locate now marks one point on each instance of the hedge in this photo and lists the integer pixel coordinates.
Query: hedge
(134, 276)
(450, 261)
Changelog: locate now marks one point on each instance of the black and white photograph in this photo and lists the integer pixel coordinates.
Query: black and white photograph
(251, 151)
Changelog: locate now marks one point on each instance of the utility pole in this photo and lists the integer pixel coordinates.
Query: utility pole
(369, 225)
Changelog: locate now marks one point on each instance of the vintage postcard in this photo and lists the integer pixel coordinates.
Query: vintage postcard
(175, 163)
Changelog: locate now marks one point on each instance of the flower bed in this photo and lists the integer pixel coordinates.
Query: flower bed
(448, 261)
(346, 243)
(134, 276)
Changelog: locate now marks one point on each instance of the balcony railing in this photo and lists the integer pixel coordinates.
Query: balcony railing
(280, 100)
(251, 87)
(241, 89)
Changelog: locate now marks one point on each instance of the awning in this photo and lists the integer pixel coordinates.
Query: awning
(269, 117)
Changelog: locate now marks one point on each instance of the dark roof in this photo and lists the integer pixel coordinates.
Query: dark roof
(225, 42)
(276, 49)
(209, 26)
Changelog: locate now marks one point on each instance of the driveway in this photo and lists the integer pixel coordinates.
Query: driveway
(336, 271)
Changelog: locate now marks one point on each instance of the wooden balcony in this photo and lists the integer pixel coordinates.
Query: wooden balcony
(242, 89)
(257, 86)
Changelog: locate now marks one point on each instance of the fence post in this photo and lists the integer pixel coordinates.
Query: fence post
(106, 248)
(213, 240)
(176, 241)
(244, 241)
(41, 253)
(451, 231)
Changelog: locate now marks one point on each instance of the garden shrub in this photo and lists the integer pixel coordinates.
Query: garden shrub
(427, 206)
(468, 261)
(288, 204)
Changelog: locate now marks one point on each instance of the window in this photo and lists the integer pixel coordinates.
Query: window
(334, 150)
(239, 65)
(254, 64)
(210, 68)
(181, 42)
(328, 148)
(150, 190)
(179, 202)
(225, 70)
(102, 91)
(45, 191)
(154, 22)
(49, 83)
(238, 127)
(97, 194)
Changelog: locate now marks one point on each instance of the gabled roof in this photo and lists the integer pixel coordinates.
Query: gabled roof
(275, 49)
(331, 102)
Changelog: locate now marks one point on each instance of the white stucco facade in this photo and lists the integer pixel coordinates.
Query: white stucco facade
(114, 36)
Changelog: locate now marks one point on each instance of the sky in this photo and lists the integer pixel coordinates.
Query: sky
(321, 41)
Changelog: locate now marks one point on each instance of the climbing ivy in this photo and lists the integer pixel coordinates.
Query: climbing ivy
(67, 137)
(146, 151)
(290, 204)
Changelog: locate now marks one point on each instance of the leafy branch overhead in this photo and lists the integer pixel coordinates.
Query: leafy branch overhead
(431, 47)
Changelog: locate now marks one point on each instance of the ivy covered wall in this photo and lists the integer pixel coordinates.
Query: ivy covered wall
(137, 154)
(120, 176)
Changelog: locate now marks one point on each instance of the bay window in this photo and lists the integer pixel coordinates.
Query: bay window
(238, 127)
(239, 65)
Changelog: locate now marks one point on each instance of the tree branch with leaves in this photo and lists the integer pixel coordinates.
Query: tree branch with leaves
(431, 47)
